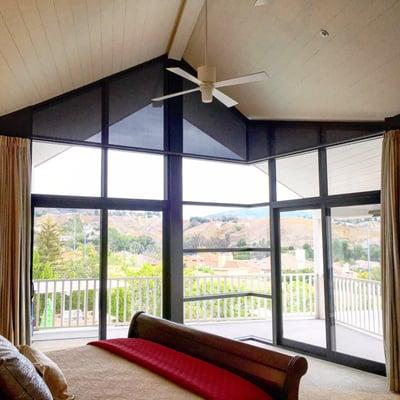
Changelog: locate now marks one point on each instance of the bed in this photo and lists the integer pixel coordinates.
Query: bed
(95, 373)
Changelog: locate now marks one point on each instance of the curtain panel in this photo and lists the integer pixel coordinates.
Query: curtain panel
(390, 244)
(15, 239)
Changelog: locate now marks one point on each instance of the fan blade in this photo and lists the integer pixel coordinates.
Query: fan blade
(259, 76)
(224, 99)
(168, 96)
(181, 72)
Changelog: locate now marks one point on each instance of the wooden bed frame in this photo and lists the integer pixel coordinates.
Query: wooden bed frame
(275, 373)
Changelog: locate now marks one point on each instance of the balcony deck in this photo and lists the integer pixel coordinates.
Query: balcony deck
(349, 340)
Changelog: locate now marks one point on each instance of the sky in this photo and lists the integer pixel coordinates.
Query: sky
(76, 170)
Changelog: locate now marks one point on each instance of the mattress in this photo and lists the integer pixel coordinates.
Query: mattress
(93, 374)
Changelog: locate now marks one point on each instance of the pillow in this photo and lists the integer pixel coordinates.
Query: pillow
(50, 371)
(18, 377)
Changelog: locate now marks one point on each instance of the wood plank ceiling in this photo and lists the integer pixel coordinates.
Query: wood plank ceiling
(48, 47)
(354, 74)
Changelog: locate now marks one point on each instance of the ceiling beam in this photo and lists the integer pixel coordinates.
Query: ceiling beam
(187, 20)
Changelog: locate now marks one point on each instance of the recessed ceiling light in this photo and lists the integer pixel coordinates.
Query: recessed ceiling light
(324, 33)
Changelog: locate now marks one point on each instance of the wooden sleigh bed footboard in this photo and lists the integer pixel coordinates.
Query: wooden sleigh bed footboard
(275, 373)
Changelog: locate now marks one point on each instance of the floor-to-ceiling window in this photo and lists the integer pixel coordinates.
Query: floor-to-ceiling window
(284, 250)
(98, 195)
(227, 263)
(355, 249)
(70, 233)
(327, 208)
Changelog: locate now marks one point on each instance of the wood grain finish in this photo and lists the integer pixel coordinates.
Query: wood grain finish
(276, 373)
(49, 47)
(351, 75)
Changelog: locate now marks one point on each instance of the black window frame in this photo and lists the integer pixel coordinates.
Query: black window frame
(171, 208)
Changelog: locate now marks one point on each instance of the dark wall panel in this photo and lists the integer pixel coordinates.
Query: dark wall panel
(334, 134)
(258, 141)
(293, 138)
(74, 117)
(212, 129)
(134, 120)
(286, 137)
(18, 123)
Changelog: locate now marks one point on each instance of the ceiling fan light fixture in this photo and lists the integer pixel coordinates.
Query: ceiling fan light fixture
(206, 90)
(206, 80)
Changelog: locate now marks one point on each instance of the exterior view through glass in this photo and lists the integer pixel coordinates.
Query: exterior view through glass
(65, 272)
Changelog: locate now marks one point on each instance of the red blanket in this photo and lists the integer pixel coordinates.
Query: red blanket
(197, 376)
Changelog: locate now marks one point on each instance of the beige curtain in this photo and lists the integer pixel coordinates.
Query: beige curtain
(15, 234)
(390, 243)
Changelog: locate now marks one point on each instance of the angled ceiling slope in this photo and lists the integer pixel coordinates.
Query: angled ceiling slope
(51, 47)
(353, 74)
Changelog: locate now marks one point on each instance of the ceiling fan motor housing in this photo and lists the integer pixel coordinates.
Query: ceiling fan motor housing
(207, 75)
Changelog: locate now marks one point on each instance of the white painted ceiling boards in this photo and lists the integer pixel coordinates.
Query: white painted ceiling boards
(49, 47)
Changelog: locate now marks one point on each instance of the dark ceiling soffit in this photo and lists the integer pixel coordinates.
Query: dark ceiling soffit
(392, 122)
(353, 125)
(17, 123)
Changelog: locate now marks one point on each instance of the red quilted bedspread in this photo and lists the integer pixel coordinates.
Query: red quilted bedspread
(197, 376)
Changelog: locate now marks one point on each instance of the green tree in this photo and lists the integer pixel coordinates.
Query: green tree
(48, 244)
(241, 243)
(309, 251)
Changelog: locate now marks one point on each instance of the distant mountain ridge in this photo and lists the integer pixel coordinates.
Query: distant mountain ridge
(256, 213)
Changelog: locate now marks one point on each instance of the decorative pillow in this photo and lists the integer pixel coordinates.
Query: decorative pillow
(18, 377)
(50, 371)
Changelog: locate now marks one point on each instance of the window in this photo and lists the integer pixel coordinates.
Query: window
(61, 169)
(133, 175)
(356, 263)
(65, 271)
(77, 117)
(302, 277)
(354, 167)
(225, 227)
(226, 248)
(223, 182)
(228, 274)
(134, 267)
(297, 176)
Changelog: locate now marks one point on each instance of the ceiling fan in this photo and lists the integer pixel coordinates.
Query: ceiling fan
(206, 80)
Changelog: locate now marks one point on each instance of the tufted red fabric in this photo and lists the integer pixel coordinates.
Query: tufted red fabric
(197, 376)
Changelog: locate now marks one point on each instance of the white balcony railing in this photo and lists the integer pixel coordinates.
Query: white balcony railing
(358, 303)
(74, 302)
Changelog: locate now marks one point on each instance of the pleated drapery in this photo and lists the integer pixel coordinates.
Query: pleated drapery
(390, 245)
(15, 239)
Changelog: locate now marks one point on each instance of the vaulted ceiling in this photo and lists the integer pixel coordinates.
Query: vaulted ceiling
(48, 47)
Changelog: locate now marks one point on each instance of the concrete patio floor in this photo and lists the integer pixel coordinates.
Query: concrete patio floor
(312, 331)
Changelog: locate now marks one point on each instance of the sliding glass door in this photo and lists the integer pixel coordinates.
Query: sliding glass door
(302, 277)
(356, 256)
